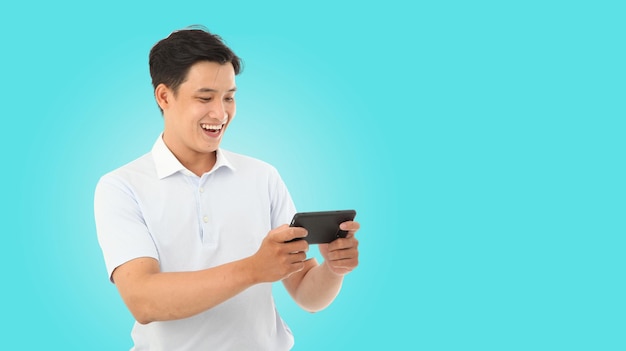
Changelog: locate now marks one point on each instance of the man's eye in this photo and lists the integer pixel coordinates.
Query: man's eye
(229, 99)
(205, 99)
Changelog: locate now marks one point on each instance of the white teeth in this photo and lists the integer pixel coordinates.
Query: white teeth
(207, 126)
(211, 126)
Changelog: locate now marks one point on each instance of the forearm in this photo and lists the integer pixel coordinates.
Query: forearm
(176, 295)
(152, 295)
(317, 288)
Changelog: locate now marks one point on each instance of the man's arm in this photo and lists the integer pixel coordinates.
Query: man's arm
(316, 286)
(152, 295)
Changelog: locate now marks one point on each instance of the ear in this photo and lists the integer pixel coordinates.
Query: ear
(163, 96)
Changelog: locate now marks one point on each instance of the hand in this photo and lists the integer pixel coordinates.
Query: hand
(342, 254)
(277, 259)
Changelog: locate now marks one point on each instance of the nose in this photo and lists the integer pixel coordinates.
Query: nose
(218, 111)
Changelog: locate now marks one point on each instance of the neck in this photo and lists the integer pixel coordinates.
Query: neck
(200, 163)
(195, 161)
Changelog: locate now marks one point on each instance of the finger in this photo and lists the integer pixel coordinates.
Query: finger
(285, 234)
(343, 243)
(297, 257)
(346, 254)
(345, 263)
(351, 227)
(344, 266)
(297, 246)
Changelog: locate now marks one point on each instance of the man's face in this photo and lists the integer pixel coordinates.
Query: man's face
(198, 115)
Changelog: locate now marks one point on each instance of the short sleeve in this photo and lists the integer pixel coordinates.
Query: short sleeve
(282, 206)
(121, 229)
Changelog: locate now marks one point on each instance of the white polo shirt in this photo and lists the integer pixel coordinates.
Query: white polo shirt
(155, 207)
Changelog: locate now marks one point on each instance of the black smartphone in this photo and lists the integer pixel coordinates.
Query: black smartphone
(323, 226)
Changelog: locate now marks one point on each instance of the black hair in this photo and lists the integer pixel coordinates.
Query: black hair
(171, 58)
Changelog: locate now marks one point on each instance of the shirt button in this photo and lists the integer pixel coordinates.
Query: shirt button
(205, 219)
(201, 190)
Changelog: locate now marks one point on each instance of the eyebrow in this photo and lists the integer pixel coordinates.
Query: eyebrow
(211, 90)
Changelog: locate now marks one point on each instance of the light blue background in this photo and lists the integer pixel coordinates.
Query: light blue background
(482, 143)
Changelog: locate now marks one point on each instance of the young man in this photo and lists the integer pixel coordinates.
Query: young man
(193, 236)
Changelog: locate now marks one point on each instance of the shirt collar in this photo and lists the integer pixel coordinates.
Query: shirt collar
(167, 164)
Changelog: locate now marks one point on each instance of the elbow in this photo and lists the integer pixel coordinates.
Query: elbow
(313, 303)
(310, 310)
(313, 307)
(141, 311)
(142, 319)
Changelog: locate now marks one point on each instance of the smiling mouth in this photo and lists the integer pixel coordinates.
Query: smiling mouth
(213, 128)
